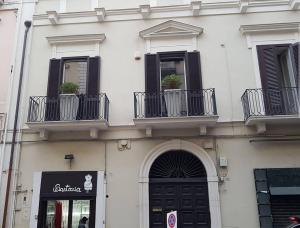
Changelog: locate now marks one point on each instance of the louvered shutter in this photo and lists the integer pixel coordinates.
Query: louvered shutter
(270, 74)
(194, 84)
(93, 102)
(295, 56)
(263, 198)
(152, 86)
(54, 80)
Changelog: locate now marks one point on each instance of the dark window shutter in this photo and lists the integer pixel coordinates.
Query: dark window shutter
(271, 79)
(152, 86)
(194, 84)
(295, 54)
(93, 81)
(54, 80)
(92, 101)
(263, 198)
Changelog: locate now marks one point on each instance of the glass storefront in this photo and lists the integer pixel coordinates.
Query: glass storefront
(67, 199)
(67, 213)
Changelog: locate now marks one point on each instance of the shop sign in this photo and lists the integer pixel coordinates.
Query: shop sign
(65, 184)
(288, 177)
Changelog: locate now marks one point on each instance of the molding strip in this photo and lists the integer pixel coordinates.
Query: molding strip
(276, 27)
(76, 38)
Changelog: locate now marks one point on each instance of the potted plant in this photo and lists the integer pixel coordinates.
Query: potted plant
(172, 94)
(69, 101)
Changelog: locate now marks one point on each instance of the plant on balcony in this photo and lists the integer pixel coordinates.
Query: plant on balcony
(172, 94)
(171, 81)
(69, 102)
(69, 88)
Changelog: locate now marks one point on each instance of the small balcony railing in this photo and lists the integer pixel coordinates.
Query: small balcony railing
(175, 103)
(270, 102)
(68, 108)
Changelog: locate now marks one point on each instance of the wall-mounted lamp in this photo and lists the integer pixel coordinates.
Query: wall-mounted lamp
(69, 157)
(137, 55)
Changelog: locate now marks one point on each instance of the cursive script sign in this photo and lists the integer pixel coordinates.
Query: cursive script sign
(69, 184)
(67, 188)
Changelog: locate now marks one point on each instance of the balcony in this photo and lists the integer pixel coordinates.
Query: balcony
(68, 113)
(271, 106)
(175, 109)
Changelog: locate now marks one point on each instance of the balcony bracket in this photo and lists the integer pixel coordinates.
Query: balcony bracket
(44, 134)
(261, 128)
(94, 133)
(203, 130)
(149, 132)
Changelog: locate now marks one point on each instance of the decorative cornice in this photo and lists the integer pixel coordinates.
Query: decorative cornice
(276, 27)
(171, 29)
(76, 38)
(187, 10)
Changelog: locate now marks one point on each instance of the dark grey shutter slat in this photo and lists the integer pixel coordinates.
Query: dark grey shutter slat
(152, 86)
(263, 198)
(93, 100)
(194, 84)
(270, 78)
(54, 80)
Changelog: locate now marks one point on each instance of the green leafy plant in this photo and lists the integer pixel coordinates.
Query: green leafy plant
(171, 81)
(68, 87)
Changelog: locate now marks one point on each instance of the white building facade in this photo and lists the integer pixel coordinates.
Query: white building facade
(217, 141)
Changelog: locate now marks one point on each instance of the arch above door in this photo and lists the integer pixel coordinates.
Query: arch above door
(212, 179)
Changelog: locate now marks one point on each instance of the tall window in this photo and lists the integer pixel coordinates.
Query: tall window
(279, 66)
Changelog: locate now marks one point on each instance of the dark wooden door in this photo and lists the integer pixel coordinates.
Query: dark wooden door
(189, 199)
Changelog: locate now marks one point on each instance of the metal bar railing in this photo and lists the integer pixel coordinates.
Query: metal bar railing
(68, 107)
(175, 103)
(270, 102)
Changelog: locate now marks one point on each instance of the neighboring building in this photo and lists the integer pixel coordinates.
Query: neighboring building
(8, 17)
(13, 14)
(222, 149)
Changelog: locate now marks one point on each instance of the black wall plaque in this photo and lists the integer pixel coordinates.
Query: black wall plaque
(69, 184)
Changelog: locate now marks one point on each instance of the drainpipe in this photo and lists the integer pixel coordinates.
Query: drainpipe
(10, 169)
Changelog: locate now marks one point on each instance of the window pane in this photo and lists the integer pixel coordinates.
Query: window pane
(76, 72)
(81, 208)
(57, 211)
(173, 67)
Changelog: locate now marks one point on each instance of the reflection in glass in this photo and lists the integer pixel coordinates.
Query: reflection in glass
(57, 214)
(81, 208)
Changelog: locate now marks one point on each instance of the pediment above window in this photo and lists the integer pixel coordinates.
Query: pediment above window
(170, 29)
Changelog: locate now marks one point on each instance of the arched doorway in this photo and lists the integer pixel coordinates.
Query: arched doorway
(178, 182)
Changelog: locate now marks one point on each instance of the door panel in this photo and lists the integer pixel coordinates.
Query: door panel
(191, 205)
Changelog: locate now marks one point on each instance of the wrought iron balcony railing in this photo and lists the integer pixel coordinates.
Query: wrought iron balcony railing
(68, 108)
(175, 103)
(270, 102)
